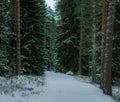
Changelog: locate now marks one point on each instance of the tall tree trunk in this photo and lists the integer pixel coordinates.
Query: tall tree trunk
(15, 27)
(18, 36)
(13, 11)
(80, 42)
(108, 50)
(93, 44)
(104, 24)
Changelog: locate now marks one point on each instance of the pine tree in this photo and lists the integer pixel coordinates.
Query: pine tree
(13, 38)
(15, 16)
(4, 37)
(116, 47)
(87, 12)
(80, 70)
(107, 89)
(50, 39)
(67, 40)
(33, 23)
(18, 37)
(104, 24)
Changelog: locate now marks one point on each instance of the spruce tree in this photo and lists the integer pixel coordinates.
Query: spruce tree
(4, 37)
(107, 86)
(116, 47)
(33, 23)
(50, 39)
(67, 39)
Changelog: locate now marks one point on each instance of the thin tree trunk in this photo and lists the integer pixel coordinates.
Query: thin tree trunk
(104, 24)
(13, 10)
(15, 27)
(108, 50)
(80, 42)
(93, 45)
(18, 36)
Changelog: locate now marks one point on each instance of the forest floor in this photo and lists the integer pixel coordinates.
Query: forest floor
(53, 87)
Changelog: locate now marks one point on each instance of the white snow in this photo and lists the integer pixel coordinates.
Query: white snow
(61, 88)
(69, 73)
(116, 93)
(51, 3)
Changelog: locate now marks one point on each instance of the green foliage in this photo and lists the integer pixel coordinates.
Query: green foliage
(68, 38)
(4, 37)
(116, 46)
(50, 39)
(33, 13)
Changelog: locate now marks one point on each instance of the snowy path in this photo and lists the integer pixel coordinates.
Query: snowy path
(64, 88)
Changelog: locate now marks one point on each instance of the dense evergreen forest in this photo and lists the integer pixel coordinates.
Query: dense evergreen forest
(82, 36)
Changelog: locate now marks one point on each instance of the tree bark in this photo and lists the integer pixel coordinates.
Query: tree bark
(93, 44)
(104, 24)
(15, 27)
(80, 42)
(18, 36)
(108, 50)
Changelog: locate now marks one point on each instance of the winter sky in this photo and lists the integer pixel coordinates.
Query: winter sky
(51, 3)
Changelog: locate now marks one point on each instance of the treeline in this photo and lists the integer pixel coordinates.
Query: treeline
(88, 40)
(81, 36)
(33, 16)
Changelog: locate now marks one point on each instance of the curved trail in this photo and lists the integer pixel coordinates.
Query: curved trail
(64, 88)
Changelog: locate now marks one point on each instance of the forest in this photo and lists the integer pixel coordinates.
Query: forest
(79, 38)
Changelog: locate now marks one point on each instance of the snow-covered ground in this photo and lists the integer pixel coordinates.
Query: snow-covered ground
(58, 88)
